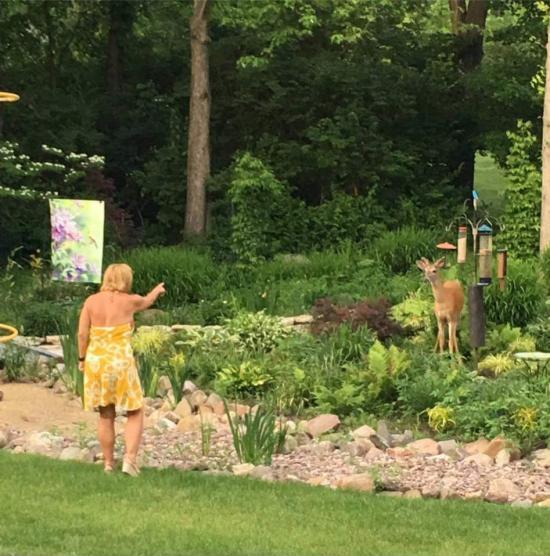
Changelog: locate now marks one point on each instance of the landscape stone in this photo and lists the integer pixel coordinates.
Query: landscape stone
(4, 439)
(325, 447)
(242, 469)
(383, 432)
(172, 416)
(479, 459)
(425, 446)
(216, 404)
(544, 503)
(414, 493)
(541, 496)
(477, 447)
(70, 453)
(290, 427)
(360, 481)
(164, 386)
(503, 457)
(197, 398)
(166, 424)
(358, 447)
(400, 452)
(183, 409)
(189, 387)
(392, 493)
(494, 447)
(522, 504)
(502, 491)
(473, 495)
(290, 444)
(363, 432)
(303, 319)
(263, 472)
(431, 491)
(322, 424)
(190, 423)
(542, 457)
(44, 443)
(449, 447)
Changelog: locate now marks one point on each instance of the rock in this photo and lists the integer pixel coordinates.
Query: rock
(360, 481)
(290, 427)
(166, 406)
(4, 439)
(216, 404)
(392, 493)
(324, 447)
(44, 443)
(402, 439)
(542, 457)
(477, 447)
(400, 452)
(541, 496)
(431, 491)
(197, 399)
(262, 472)
(366, 432)
(522, 504)
(412, 494)
(287, 321)
(424, 447)
(383, 432)
(190, 423)
(479, 459)
(374, 453)
(242, 469)
(164, 386)
(172, 416)
(165, 424)
(290, 445)
(303, 439)
(303, 319)
(59, 387)
(358, 447)
(544, 504)
(503, 457)
(189, 387)
(87, 455)
(322, 424)
(502, 491)
(241, 409)
(473, 495)
(71, 453)
(449, 447)
(318, 481)
(494, 447)
(183, 409)
(439, 457)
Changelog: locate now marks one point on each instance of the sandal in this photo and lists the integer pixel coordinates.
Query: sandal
(130, 468)
(108, 468)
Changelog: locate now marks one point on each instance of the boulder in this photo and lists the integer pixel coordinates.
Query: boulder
(502, 491)
(449, 448)
(164, 386)
(303, 319)
(495, 446)
(189, 387)
(402, 439)
(360, 481)
(431, 491)
(392, 493)
(522, 504)
(4, 439)
(215, 402)
(165, 424)
(504, 457)
(412, 494)
(197, 399)
(324, 447)
(59, 387)
(479, 459)
(358, 447)
(242, 469)
(400, 452)
(322, 424)
(190, 423)
(183, 409)
(425, 447)
(541, 457)
(374, 453)
(262, 472)
(477, 447)
(44, 443)
(366, 432)
(71, 453)
(383, 432)
(172, 416)
(544, 503)
(290, 445)
(473, 495)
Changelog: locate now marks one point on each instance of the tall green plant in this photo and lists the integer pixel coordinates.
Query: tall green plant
(522, 209)
(68, 333)
(255, 436)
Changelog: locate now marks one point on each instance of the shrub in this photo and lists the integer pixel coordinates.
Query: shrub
(400, 249)
(415, 312)
(41, 319)
(257, 331)
(15, 361)
(509, 340)
(521, 301)
(495, 365)
(374, 314)
(249, 378)
(189, 274)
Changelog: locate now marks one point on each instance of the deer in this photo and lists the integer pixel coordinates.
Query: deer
(448, 302)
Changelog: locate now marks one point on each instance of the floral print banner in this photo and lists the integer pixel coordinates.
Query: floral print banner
(77, 240)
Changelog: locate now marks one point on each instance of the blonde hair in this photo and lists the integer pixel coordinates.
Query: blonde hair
(117, 278)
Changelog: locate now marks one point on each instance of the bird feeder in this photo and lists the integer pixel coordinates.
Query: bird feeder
(502, 267)
(446, 247)
(485, 254)
(462, 244)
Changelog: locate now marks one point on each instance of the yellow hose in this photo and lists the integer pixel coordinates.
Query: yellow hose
(12, 333)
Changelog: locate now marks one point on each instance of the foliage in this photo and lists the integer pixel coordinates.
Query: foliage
(257, 331)
(150, 340)
(255, 436)
(68, 333)
(248, 378)
(415, 312)
(148, 373)
(15, 361)
(400, 249)
(374, 314)
(41, 318)
(521, 301)
(495, 365)
(440, 418)
(177, 374)
(509, 339)
(522, 197)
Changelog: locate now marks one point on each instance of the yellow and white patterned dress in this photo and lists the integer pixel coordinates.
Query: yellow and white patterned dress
(110, 372)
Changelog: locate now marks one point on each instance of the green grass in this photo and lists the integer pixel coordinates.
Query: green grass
(490, 182)
(61, 508)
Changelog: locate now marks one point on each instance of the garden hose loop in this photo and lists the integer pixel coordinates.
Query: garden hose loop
(12, 333)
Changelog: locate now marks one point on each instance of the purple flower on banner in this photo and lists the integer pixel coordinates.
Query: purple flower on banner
(64, 228)
(79, 263)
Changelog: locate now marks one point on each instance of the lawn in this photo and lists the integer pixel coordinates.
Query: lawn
(490, 182)
(62, 508)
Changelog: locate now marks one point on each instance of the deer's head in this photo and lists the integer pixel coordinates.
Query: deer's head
(430, 270)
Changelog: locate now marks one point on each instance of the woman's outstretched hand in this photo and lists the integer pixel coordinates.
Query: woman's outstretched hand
(160, 289)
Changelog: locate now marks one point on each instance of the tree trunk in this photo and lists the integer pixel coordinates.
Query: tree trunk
(468, 24)
(198, 152)
(545, 205)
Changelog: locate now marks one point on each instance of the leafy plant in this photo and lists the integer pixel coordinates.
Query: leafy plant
(257, 332)
(255, 436)
(440, 418)
(14, 362)
(151, 340)
(249, 378)
(68, 335)
(41, 319)
(415, 312)
(177, 374)
(495, 365)
(148, 373)
(206, 436)
(509, 339)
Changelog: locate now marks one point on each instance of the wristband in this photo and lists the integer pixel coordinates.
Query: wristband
(82, 359)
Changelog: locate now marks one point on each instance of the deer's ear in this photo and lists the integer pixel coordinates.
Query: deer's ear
(440, 263)
(421, 264)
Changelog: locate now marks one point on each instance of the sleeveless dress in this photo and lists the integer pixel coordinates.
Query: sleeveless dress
(110, 372)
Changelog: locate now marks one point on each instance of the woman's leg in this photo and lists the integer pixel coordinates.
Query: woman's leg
(106, 433)
(133, 432)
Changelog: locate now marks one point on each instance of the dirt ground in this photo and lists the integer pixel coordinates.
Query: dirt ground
(29, 407)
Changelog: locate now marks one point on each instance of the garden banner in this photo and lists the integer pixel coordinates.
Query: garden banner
(77, 240)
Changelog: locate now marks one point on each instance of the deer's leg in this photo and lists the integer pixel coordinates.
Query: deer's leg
(454, 336)
(441, 335)
(451, 338)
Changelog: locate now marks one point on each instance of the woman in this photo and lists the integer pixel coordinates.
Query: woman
(111, 380)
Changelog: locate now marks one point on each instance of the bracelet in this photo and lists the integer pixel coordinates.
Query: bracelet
(82, 359)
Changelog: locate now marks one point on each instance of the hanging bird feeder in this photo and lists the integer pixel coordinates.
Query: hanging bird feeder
(462, 252)
(502, 267)
(447, 248)
(485, 254)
